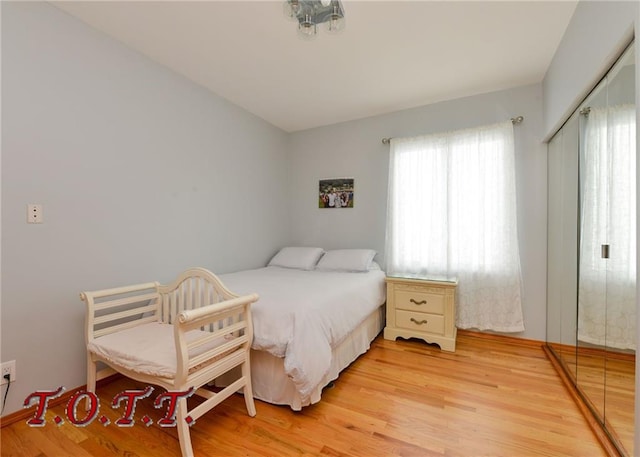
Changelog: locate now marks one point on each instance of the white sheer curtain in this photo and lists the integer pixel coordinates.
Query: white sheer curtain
(452, 212)
(607, 292)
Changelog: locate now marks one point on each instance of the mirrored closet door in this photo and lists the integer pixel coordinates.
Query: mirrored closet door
(591, 289)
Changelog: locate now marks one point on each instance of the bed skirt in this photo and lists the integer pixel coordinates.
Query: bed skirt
(272, 385)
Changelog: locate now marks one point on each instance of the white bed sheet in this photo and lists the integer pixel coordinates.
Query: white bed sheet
(302, 315)
(271, 384)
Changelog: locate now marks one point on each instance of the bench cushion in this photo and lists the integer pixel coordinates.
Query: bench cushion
(149, 348)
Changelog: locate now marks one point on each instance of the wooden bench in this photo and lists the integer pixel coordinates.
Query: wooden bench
(179, 336)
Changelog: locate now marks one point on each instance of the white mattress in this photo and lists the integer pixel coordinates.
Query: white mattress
(302, 316)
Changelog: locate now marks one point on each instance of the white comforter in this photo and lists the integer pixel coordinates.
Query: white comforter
(301, 315)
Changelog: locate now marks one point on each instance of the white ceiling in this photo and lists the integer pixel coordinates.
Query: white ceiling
(392, 55)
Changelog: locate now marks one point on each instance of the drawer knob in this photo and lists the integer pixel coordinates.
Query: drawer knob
(423, 302)
(423, 321)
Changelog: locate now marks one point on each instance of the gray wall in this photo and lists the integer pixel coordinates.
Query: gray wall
(636, 436)
(141, 174)
(354, 149)
(596, 35)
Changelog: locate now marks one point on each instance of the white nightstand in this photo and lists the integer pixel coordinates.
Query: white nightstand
(422, 308)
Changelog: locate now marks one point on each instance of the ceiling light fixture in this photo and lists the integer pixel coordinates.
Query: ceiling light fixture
(310, 13)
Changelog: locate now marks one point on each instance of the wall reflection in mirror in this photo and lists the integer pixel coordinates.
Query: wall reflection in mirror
(591, 299)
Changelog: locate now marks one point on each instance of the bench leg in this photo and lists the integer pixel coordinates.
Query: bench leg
(183, 429)
(248, 390)
(92, 372)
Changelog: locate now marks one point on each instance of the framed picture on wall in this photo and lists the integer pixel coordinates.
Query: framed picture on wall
(335, 193)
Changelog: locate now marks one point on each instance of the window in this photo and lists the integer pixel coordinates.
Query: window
(452, 212)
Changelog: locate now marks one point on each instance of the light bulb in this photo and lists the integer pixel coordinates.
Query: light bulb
(307, 28)
(336, 21)
(291, 8)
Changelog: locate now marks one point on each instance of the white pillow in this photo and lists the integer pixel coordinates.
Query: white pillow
(301, 258)
(347, 260)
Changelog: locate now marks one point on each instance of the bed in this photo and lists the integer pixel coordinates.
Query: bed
(316, 314)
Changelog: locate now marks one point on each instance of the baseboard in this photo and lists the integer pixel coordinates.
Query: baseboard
(606, 440)
(508, 339)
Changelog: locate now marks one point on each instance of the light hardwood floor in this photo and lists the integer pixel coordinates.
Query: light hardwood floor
(402, 398)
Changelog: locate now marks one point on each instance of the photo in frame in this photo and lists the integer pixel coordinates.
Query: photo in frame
(335, 193)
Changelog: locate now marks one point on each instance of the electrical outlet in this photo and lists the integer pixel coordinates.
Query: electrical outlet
(8, 368)
(34, 213)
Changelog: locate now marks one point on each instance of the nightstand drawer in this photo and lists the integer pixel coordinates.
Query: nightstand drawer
(422, 322)
(419, 301)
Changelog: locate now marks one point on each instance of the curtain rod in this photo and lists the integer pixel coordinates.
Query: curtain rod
(514, 120)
